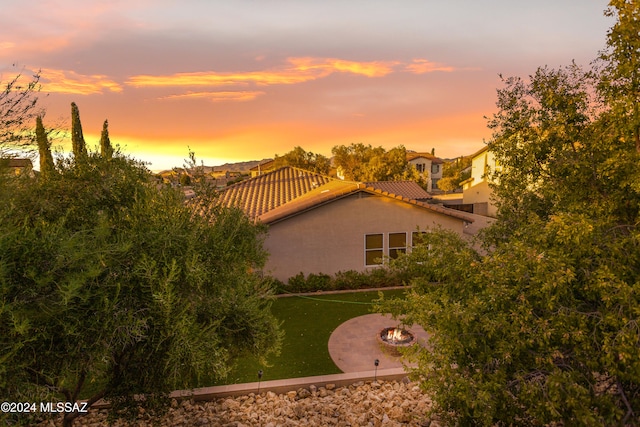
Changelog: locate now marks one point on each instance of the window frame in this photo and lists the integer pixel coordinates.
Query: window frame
(367, 250)
(402, 249)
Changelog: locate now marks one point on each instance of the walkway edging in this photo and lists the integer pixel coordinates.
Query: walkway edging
(291, 384)
(280, 386)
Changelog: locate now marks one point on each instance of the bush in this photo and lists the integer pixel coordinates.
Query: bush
(342, 280)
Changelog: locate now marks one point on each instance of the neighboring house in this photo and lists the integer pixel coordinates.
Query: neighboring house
(262, 168)
(476, 190)
(429, 166)
(18, 166)
(318, 224)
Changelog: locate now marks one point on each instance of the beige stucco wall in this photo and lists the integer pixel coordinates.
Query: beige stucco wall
(477, 191)
(330, 238)
(480, 196)
(428, 173)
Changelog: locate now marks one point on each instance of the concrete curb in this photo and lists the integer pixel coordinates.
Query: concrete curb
(280, 386)
(291, 384)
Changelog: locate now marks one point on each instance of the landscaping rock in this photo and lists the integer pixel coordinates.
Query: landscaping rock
(365, 404)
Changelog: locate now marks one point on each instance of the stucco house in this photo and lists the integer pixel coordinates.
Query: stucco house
(428, 165)
(318, 224)
(476, 190)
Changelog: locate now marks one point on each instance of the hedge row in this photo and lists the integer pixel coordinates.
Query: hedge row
(343, 280)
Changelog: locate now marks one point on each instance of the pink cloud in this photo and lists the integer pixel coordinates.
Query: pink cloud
(218, 96)
(297, 70)
(422, 66)
(61, 81)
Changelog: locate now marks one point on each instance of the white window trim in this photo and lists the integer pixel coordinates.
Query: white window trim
(364, 241)
(389, 248)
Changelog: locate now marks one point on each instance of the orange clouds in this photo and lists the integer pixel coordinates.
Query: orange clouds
(295, 71)
(298, 70)
(218, 96)
(421, 66)
(322, 67)
(60, 81)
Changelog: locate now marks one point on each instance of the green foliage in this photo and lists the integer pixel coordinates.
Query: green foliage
(306, 160)
(44, 150)
(110, 287)
(106, 150)
(541, 326)
(78, 145)
(364, 163)
(454, 172)
(541, 330)
(344, 280)
(620, 76)
(185, 179)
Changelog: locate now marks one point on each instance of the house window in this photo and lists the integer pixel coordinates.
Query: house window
(420, 167)
(373, 249)
(397, 244)
(435, 168)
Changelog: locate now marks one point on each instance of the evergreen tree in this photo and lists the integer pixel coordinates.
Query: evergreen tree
(78, 144)
(106, 150)
(44, 149)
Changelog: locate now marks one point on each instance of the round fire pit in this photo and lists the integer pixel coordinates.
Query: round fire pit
(391, 339)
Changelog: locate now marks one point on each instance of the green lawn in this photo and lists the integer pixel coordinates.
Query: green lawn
(308, 323)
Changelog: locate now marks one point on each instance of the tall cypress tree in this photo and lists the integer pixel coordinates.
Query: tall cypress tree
(44, 149)
(106, 150)
(77, 139)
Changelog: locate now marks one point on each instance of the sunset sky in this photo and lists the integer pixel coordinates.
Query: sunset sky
(246, 79)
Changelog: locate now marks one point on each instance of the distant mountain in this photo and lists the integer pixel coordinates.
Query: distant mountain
(239, 166)
(231, 167)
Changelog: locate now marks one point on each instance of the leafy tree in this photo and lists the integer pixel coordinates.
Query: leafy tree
(541, 327)
(359, 162)
(18, 109)
(110, 287)
(454, 172)
(620, 77)
(448, 184)
(302, 159)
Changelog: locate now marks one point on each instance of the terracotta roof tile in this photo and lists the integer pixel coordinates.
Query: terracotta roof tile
(289, 191)
(263, 193)
(409, 189)
(434, 159)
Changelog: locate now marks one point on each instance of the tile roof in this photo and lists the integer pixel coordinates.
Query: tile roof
(480, 151)
(18, 163)
(409, 189)
(289, 191)
(271, 190)
(434, 159)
